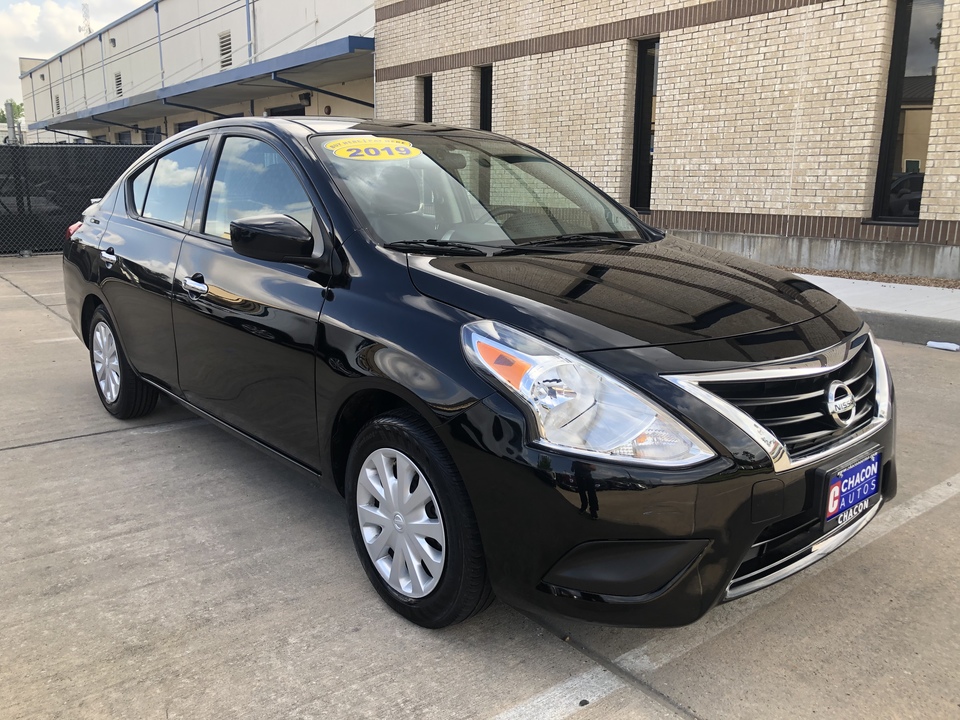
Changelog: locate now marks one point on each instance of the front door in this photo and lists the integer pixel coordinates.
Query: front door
(246, 330)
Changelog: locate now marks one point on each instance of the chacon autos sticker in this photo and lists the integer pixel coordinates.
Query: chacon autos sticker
(372, 148)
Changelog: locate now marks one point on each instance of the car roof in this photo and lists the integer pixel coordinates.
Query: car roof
(306, 126)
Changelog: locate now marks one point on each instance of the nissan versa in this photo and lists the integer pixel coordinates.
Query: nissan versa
(519, 387)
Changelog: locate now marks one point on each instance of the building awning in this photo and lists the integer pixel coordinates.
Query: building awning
(337, 61)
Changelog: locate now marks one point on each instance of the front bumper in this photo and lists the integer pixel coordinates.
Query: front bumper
(638, 547)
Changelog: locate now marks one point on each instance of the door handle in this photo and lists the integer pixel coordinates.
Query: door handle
(108, 257)
(195, 284)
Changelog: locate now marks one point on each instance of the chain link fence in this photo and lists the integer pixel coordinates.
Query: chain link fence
(45, 188)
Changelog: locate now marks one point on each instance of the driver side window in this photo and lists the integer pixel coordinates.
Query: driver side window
(253, 179)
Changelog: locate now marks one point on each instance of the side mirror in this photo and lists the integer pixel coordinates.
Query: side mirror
(275, 238)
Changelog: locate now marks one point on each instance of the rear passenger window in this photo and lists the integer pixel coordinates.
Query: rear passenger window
(140, 184)
(253, 179)
(169, 189)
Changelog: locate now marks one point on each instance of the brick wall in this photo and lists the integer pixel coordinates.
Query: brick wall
(460, 25)
(767, 110)
(456, 97)
(775, 114)
(555, 102)
(400, 99)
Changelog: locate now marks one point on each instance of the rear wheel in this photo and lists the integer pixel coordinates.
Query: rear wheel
(122, 393)
(412, 523)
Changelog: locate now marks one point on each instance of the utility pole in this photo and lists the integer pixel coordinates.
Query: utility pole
(11, 124)
(84, 28)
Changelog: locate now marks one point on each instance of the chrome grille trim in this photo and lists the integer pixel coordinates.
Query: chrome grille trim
(819, 363)
(799, 560)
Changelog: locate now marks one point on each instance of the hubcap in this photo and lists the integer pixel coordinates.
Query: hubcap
(400, 523)
(106, 362)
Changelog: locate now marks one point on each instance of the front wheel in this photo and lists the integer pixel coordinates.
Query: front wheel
(412, 523)
(122, 393)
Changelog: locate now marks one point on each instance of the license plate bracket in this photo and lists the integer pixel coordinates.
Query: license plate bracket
(851, 488)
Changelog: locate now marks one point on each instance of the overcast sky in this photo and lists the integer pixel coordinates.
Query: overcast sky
(42, 28)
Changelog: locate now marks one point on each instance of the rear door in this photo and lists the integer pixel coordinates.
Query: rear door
(138, 254)
(246, 330)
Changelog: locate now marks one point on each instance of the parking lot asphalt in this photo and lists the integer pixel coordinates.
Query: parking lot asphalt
(162, 568)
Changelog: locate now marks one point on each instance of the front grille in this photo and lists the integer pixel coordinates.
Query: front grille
(786, 546)
(795, 409)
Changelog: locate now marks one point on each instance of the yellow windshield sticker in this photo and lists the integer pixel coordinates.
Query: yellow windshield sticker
(372, 148)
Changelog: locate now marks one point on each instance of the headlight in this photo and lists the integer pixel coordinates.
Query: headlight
(580, 408)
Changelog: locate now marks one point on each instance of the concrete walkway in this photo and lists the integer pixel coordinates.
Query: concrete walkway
(909, 313)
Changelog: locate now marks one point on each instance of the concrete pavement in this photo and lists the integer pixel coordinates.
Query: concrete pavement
(908, 313)
(164, 569)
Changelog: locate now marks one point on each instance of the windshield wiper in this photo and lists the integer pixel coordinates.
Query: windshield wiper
(434, 247)
(558, 243)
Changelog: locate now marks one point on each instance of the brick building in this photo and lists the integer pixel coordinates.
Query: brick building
(802, 132)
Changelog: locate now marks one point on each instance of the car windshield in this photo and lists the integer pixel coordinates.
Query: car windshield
(466, 190)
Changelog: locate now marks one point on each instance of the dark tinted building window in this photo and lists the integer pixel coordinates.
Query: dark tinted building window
(641, 180)
(124, 138)
(906, 125)
(172, 183)
(486, 97)
(253, 179)
(151, 135)
(427, 98)
(186, 125)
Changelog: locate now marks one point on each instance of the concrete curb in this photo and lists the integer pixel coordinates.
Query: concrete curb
(911, 328)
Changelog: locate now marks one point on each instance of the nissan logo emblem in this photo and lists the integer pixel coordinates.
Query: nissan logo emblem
(841, 403)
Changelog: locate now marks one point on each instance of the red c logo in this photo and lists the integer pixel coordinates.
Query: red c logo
(833, 500)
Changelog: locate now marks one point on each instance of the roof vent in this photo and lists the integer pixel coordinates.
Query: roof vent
(226, 50)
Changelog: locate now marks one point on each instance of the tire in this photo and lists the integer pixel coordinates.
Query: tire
(122, 392)
(429, 522)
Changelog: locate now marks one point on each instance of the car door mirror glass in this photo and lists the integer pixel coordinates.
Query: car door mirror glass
(275, 238)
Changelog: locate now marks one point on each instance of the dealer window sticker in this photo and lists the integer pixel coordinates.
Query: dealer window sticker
(372, 148)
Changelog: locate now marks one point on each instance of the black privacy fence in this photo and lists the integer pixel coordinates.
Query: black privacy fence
(45, 188)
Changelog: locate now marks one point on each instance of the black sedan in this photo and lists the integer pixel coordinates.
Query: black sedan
(518, 386)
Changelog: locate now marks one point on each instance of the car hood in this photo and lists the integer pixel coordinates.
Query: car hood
(611, 296)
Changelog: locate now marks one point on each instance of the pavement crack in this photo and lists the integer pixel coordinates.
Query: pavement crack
(612, 667)
(35, 299)
(38, 443)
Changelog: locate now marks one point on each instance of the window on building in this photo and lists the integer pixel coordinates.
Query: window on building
(226, 50)
(172, 182)
(118, 84)
(56, 104)
(151, 135)
(486, 97)
(906, 122)
(641, 180)
(181, 126)
(287, 111)
(253, 179)
(427, 95)
(125, 138)
(100, 138)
